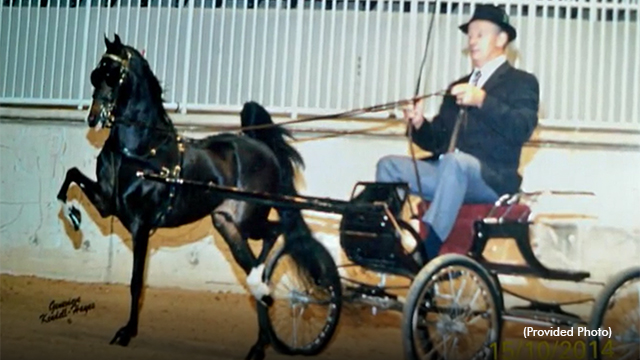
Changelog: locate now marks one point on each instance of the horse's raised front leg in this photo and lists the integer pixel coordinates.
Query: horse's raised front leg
(140, 245)
(95, 191)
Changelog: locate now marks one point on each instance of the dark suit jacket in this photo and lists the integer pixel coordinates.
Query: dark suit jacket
(494, 133)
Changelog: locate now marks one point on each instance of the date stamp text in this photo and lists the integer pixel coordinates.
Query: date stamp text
(550, 350)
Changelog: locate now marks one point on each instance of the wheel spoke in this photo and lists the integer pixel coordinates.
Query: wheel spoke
(304, 314)
(453, 321)
(618, 308)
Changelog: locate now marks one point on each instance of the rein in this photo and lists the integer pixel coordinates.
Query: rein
(124, 66)
(111, 120)
(409, 131)
(335, 116)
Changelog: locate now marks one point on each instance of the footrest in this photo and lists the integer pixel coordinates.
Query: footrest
(558, 319)
(523, 270)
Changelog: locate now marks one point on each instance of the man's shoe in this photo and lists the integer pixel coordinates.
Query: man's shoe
(429, 247)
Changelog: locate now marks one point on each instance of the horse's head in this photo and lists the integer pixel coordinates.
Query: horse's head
(120, 71)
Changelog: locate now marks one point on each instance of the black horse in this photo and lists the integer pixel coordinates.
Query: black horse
(127, 98)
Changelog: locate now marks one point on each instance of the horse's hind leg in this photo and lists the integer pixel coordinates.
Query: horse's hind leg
(271, 233)
(225, 220)
(257, 351)
(95, 191)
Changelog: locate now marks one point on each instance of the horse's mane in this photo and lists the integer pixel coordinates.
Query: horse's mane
(140, 71)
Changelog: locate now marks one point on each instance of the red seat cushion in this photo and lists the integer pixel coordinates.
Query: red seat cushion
(460, 239)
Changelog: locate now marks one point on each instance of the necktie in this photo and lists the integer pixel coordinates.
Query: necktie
(475, 78)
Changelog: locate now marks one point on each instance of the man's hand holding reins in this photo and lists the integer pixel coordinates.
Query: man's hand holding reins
(468, 95)
(415, 114)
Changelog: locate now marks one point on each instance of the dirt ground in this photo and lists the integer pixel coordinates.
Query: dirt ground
(174, 324)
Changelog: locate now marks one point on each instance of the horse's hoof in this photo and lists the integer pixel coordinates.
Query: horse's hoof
(256, 353)
(75, 217)
(267, 300)
(122, 337)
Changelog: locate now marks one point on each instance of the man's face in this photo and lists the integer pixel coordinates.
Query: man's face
(486, 41)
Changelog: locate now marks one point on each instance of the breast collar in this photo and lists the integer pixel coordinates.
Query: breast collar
(149, 161)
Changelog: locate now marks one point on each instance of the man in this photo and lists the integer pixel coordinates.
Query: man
(501, 105)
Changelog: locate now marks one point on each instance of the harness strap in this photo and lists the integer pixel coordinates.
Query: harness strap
(170, 201)
(164, 172)
(144, 159)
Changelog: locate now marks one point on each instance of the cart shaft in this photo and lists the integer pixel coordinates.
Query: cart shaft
(299, 202)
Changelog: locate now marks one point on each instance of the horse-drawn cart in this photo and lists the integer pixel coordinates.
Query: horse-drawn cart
(127, 98)
(443, 313)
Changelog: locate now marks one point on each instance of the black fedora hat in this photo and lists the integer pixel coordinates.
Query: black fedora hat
(494, 14)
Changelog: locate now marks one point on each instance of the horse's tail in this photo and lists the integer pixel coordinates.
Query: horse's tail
(299, 241)
(253, 114)
(313, 261)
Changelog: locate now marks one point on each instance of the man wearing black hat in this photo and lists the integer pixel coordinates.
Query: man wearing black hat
(481, 162)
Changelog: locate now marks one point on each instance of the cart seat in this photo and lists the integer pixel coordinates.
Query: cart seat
(461, 237)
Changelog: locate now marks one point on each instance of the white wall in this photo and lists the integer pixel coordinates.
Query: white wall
(34, 240)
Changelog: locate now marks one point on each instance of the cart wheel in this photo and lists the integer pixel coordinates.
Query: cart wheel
(452, 311)
(617, 308)
(305, 312)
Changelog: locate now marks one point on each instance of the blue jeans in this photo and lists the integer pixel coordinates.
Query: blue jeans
(447, 183)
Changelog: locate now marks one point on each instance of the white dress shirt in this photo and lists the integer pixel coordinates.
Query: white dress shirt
(487, 70)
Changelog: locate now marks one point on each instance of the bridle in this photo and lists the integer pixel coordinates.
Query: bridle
(106, 110)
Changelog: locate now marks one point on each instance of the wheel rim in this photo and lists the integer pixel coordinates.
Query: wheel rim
(622, 316)
(302, 312)
(456, 316)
